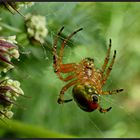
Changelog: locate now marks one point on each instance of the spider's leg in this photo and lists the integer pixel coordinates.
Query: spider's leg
(55, 56)
(103, 110)
(65, 42)
(109, 69)
(66, 68)
(58, 66)
(106, 58)
(112, 91)
(63, 90)
(70, 67)
(67, 78)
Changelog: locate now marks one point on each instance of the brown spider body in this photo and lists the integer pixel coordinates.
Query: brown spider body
(88, 75)
(86, 79)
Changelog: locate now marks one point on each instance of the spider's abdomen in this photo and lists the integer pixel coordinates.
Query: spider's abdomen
(84, 96)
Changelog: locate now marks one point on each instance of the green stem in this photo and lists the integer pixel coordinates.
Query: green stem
(30, 131)
(10, 27)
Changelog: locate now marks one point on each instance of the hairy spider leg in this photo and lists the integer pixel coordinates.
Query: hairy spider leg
(65, 42)
(58, 66)
(108, 93)
(106, 58)
(103, 110)
(109, 69)
(63, 90)
(64, 68)
(66, 78)
(55, 57)
(112, 91)
(57, 60)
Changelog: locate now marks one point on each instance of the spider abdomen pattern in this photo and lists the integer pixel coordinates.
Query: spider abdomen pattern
(83, 96)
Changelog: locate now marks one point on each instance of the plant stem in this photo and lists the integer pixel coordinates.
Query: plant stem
(10, 27)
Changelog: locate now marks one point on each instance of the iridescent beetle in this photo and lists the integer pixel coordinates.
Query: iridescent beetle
(86, 79)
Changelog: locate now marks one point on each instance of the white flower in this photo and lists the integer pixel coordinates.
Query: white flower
(36, 27)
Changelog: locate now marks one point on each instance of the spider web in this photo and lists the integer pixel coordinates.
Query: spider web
(91, 42)
(99, 124)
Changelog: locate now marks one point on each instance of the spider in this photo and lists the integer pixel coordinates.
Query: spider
(86, 79)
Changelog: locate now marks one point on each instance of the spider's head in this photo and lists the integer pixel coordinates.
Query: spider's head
(88, 62)
(87, 98)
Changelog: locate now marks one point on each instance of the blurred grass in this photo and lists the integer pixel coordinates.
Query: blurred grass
(101, 21)
(30, 131)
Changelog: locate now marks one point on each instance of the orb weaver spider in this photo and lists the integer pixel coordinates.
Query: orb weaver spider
(86, 79)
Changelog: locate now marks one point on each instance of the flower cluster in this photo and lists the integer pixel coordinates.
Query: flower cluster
(9, 89)
(36, 27)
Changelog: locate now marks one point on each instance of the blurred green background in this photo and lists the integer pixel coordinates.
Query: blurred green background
(43, 117)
